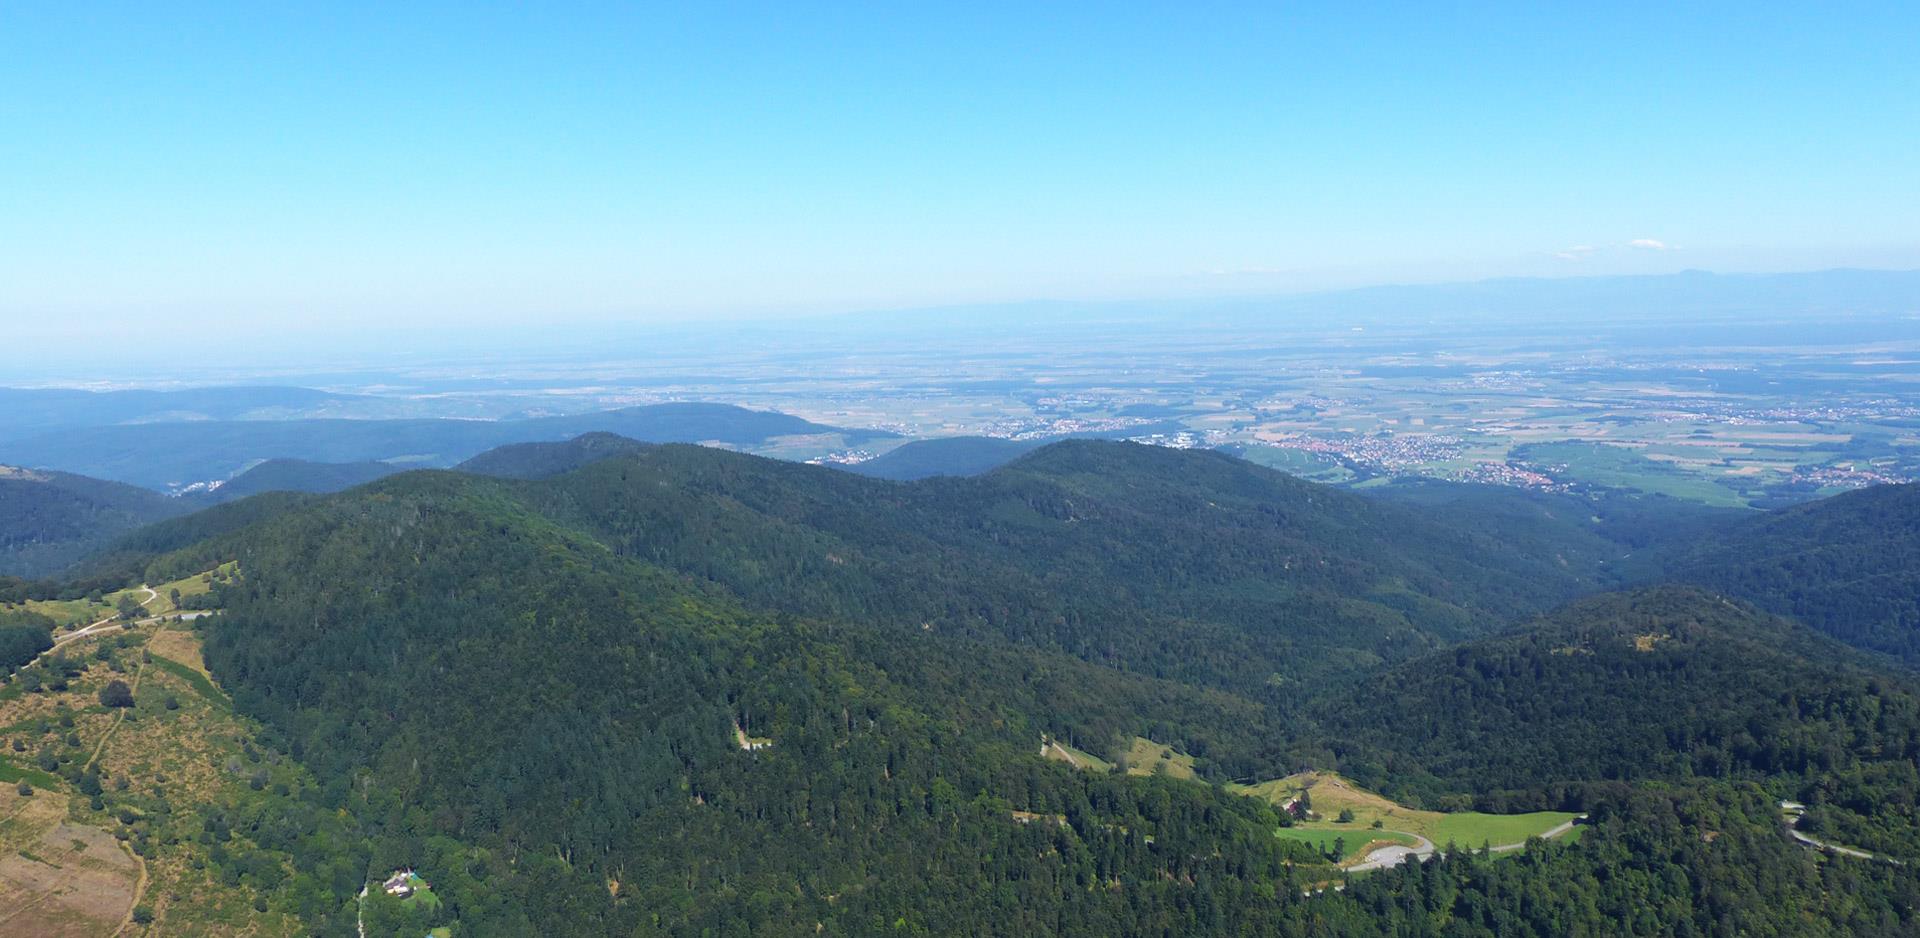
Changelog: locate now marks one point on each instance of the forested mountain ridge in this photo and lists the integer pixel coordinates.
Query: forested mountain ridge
(51, 519)
(547, 459)
(548, 722)
(685, 691)
(596, 701)
(1848, 566)
(295, 475)
(1669, 683)
(1190, 565)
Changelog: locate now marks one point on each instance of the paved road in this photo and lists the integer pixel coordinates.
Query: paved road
(1791, 818)
(1388, 857)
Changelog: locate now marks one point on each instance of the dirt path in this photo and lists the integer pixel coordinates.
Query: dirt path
(139, 888)
(120, 717)
(1070, 758)
(88, 631)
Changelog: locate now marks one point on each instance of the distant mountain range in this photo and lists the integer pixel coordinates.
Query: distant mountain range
(167, 456)
(26, 412)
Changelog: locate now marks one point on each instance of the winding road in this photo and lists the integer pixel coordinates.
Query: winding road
(96, 628)
(1790, 814)
(1383, 858)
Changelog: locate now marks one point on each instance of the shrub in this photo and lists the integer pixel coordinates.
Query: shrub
(116, 694)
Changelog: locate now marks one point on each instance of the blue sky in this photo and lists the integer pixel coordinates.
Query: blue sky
(327, 166)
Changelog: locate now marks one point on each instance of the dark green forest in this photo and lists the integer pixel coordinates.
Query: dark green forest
(1848, 566)
(534, 689)
(49, 520)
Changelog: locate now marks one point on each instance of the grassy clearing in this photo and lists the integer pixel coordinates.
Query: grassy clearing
(194, 679)
(66, 613)
(1146, 757)
(1472, 829)
(1330, 794)
(200, 584)
(1079, 759)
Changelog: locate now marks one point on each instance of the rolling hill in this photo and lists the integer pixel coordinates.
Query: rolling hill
(1186, 564)
(1669, 683)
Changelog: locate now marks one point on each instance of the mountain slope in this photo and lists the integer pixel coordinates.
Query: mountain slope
(1670, 683)
(1180, 564)
(50, 519)
(1848, 566)
(685, 691)
(563, 720)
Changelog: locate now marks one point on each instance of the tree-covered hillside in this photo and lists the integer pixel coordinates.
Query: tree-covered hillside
(297, 475)
(1671, 684)
(1848, 566)
(564, 719)
(682, 691)
(1188, 565)
(51, 519)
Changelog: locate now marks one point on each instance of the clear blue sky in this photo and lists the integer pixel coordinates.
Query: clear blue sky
(285, 165)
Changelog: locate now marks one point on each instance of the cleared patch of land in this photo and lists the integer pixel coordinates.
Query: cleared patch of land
(1329, 795)
(58, 878)
(1079, 759)
(124, 798)
(1146, 757)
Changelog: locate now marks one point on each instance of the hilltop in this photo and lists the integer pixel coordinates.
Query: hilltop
(541, 460)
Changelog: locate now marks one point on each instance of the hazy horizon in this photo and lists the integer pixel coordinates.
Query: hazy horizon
(367, 171)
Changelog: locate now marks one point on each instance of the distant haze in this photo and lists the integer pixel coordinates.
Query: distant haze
(320, 178)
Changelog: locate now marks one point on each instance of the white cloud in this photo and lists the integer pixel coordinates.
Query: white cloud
(1649, 244)
(1575, 253)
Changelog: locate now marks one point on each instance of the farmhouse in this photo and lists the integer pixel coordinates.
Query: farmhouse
(400, 884)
